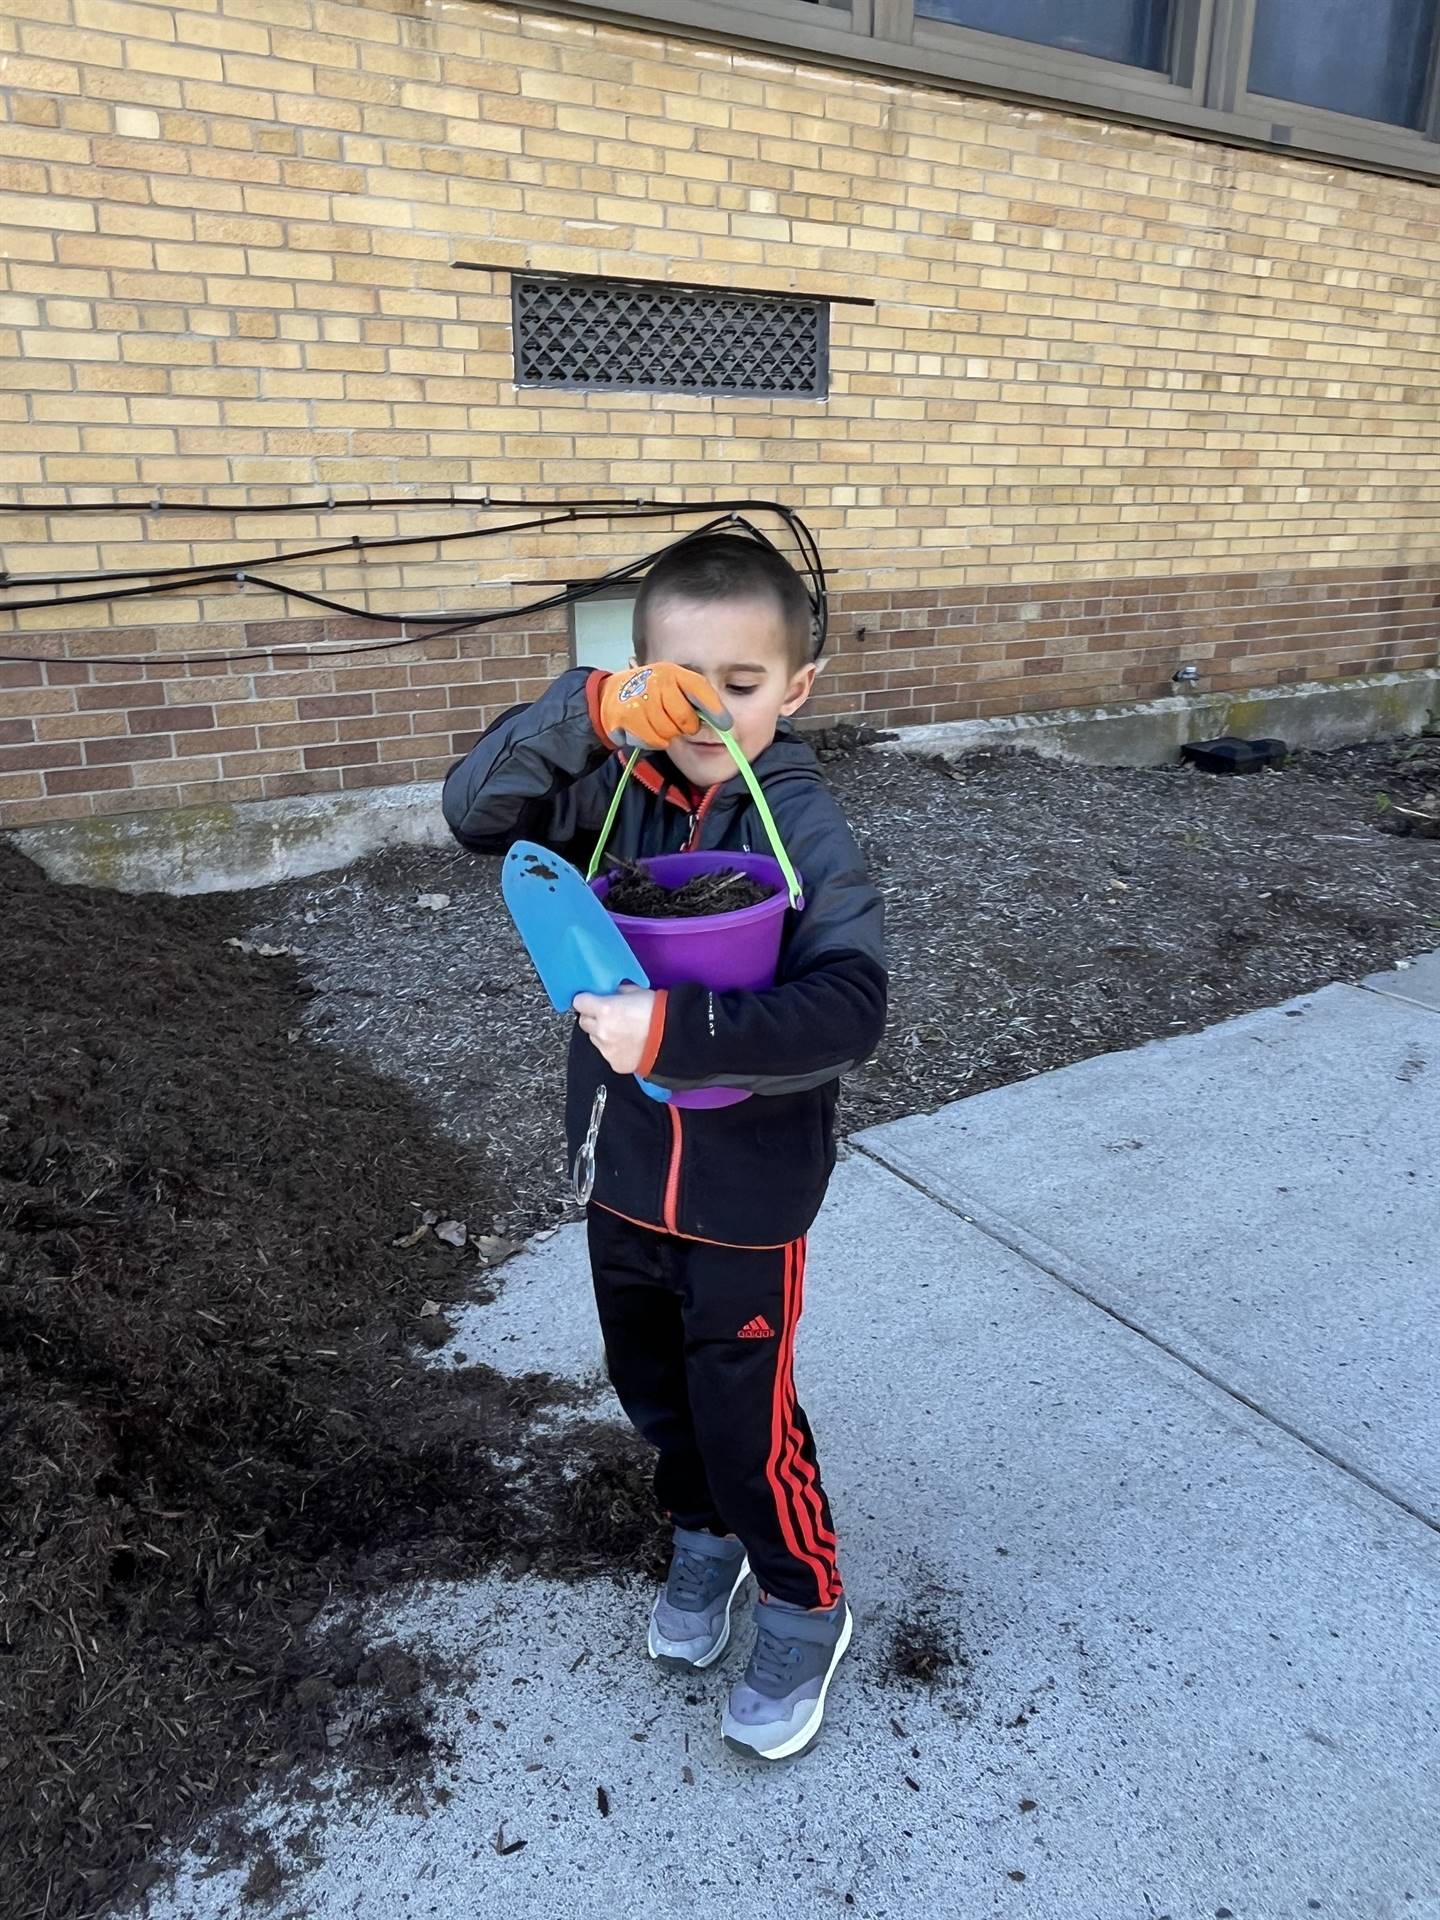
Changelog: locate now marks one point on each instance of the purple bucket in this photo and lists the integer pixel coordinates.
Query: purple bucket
(729, 952)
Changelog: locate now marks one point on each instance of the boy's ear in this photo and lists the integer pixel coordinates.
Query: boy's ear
(799, 690)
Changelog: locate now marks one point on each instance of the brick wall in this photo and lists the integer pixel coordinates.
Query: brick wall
(1123, 399)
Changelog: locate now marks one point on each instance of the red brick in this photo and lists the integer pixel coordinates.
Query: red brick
(103, 698)
(14, 673)
(334, 706)
(88, 780)
(217, 740)
(297, 733)
(30, 759)
(114, 753)
(14, 733)
(171, 719)
(356, 755)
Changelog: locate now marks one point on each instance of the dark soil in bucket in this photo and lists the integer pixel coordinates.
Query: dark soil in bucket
(639, 897)
(215, 1262)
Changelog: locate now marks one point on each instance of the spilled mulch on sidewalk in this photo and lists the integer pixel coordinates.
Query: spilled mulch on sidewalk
(213, 1421)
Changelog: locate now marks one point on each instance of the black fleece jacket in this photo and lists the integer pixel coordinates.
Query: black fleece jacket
(752, 1174)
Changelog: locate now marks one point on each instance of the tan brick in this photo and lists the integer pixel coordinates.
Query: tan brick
(40, 344)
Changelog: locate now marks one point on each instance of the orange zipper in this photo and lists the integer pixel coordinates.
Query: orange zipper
(672, 1180)
(697, 818)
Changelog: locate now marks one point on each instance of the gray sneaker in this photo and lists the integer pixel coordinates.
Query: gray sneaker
(776, 1710)
(690, 1621)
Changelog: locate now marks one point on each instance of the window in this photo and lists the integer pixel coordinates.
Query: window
(602, 629)
(1370, 60)
(1354, 80)
(1134, 32)
(647, 337)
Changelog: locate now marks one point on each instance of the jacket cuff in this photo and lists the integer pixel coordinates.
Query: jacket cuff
(593, 688)
(655, 1038)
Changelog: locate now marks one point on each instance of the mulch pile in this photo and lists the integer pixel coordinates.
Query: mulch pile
(214, 1421)
(634, 893)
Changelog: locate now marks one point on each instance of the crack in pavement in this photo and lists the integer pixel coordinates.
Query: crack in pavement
(1076, 1279)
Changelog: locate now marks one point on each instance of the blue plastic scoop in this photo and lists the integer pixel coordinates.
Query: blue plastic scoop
(575, 945)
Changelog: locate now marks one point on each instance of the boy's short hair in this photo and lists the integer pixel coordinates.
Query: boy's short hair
(722, 566)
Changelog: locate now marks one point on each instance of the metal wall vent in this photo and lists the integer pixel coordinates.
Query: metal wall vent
(639, 338)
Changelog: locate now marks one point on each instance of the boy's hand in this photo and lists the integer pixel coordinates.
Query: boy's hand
(651, 706)
(618, 1024)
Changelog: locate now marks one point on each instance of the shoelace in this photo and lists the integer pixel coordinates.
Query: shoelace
(773, 1658)
(690, 1575)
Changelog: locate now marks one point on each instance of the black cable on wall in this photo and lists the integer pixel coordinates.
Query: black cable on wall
(145, 583)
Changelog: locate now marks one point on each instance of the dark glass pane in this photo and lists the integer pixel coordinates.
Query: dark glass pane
(1133, 31)
(1369, 59)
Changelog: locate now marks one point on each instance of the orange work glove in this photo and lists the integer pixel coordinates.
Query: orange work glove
(651, 706)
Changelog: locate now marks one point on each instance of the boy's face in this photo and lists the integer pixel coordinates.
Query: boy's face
(739, 647)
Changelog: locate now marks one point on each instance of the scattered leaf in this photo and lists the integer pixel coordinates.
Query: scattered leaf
(494, 1249)
(602, 1801)
(687, 1774)
(429, 1309)
(260, 947)
(436, 902)
(503, 1846)
(896, 1728)
(453, 1232)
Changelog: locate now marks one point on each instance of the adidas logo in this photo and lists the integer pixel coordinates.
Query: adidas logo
(757, 1329)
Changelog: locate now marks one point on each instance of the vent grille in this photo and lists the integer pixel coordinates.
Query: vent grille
(616, 335)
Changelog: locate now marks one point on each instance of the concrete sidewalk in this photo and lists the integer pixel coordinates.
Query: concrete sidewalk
(1127, 1375)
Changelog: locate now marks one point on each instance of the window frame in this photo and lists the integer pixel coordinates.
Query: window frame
(1322, 126)
(1029, 66)
(1205, 91)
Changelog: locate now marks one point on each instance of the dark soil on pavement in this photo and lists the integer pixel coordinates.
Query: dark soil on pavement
(213, 1420)
(249, 1146)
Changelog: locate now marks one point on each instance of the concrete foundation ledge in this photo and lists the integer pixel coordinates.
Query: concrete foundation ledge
(226, 846)
(1324, 714)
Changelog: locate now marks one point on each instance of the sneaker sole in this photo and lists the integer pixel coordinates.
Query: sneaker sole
(805, 1735)
(677, 1662)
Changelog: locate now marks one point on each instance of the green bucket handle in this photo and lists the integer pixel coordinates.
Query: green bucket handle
(762, 807)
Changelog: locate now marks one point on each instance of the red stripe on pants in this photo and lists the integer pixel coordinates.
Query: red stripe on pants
(796, 1503)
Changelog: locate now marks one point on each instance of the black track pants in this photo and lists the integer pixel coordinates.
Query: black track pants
(700, 1344)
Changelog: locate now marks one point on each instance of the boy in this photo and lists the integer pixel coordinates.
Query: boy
(698, 1218)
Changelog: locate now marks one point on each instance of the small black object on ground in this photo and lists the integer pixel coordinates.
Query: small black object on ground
(1230, 754)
